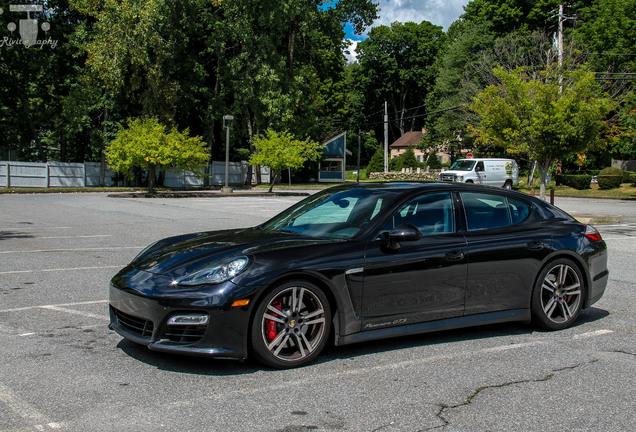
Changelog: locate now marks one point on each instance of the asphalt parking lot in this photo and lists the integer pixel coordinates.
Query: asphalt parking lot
(62, 369)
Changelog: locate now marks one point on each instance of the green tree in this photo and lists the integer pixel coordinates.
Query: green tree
(396, 65)
(281, 150)
(377, 162)
(544, 118)
(147, 144)
(626, 147)
(506, 16)
(433, 161)
(608, 30)
(405, 160)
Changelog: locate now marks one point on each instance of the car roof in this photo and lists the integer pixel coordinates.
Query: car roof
(406, 188)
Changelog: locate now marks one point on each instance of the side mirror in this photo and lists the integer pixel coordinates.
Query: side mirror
(403, 233)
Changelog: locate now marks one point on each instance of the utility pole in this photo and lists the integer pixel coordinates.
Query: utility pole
(562, 19)
(358, 172)
(386, 137)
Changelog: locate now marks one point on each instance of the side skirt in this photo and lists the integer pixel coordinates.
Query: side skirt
(523, 315)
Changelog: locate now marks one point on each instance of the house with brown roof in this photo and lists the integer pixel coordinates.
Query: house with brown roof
(410, 140)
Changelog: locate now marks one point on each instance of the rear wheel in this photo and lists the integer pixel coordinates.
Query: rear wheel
(558, 295)
(508, 185)
(291, 325)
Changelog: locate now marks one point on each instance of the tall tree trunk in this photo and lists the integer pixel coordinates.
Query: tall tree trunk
(544, 166)
(102, 158)
(533, 168)
(293, 29)
(152, 172)
(274, 180)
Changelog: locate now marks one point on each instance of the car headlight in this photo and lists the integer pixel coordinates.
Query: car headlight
(216, 273)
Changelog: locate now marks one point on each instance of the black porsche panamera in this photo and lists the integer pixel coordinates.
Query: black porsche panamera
(361, 262)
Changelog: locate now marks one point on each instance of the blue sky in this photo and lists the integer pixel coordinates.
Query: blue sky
(438, 12)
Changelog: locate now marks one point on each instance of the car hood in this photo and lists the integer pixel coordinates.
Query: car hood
(182, 255)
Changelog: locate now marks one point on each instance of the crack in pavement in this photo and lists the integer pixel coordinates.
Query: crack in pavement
(469, 400)
(623, 352)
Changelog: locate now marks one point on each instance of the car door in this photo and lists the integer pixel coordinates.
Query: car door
(480, 172)
(421, 280)
(506, 245)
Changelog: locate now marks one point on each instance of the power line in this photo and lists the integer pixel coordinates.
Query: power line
(415, 116)
(611, 54)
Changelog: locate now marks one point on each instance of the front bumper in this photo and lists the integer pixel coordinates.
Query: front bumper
(143, 319)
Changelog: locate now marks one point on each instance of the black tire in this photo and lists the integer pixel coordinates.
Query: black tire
(291, 325)
(558, 295)
(507, 185)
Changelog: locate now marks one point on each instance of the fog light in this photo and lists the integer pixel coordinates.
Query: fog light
(193, 319)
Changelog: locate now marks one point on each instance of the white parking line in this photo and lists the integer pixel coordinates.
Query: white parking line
(54, 306)
(24, 409)
(62, 269)
(407, 363)
(75, 312)
(592, 334)
(76, 237)
(72, 250)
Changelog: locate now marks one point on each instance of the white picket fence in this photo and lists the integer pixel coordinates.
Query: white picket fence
(60, 174)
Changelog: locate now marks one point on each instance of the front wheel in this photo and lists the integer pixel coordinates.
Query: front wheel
(558, 295)
(291, 325)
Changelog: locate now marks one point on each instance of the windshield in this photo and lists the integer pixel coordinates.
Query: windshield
(333, 214)
(463, 165)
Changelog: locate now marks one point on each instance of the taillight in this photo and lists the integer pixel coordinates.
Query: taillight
(592, 233)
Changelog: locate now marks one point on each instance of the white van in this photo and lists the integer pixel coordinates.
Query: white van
(494, 172)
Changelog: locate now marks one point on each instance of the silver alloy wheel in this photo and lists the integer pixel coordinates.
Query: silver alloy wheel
(561, 294)
(293, 324)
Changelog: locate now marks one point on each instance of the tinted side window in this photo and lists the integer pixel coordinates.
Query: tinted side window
(485, 211)
(432, 214)
(519, 210)
(329, 212)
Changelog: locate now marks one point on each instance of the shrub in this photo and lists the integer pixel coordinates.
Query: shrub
(376, 164)
(579, 182)
(611, 171)
(405, 160)
(610, 181)
(627, 176)
(433, 162)
(632, 179)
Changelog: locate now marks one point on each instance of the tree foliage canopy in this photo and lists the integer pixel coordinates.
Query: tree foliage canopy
(280, 150)
(280, 65)
(551, 118)
(146, 143)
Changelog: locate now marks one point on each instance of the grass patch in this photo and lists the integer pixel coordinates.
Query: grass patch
(625, 191)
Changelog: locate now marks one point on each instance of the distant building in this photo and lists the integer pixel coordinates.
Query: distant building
(411, 140)
(334, 159)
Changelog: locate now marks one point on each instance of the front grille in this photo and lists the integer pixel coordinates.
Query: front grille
(448, 177)
(139, 326)
(184, 334)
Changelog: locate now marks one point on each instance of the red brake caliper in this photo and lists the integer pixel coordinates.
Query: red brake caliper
(270, 326)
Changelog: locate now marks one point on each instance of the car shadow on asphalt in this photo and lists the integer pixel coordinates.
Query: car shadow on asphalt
(219, 367)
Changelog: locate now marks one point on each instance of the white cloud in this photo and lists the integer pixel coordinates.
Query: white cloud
(438, 12)
(351, 57)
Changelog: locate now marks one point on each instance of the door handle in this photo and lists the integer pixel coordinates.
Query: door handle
(535, 245)
(455, 256)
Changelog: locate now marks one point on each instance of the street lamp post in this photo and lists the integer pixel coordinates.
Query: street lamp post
(227, 124)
